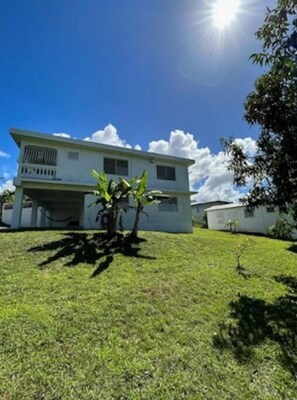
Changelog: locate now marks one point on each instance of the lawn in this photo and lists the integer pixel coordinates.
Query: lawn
(169, 317)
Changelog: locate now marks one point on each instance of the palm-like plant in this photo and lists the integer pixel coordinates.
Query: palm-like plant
(142, 197)
(110, 195)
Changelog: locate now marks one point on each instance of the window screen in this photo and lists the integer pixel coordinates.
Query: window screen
(270, 209)
(73, 155)
(165, 172)
(115, 167)
(169, 204)
(248, 213)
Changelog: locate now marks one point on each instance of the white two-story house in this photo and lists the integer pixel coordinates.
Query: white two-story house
(56, 174)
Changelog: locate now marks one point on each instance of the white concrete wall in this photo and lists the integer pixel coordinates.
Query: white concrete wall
(198, 215)
(259, 223)
(168, 221)
(81, 170)
(26, 217)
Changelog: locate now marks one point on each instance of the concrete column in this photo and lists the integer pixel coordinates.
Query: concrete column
(48, 222)
(34, 214)
(17, 208)
(42, 218)
(87, 211)
(82, 215)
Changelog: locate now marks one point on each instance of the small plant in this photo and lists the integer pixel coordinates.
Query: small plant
(240, 248)
(282, 229)
(232, 224)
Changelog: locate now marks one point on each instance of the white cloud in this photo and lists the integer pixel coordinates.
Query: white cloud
(248, 144)
(3, 154)
(62, 134)
(209, 174)
(108, 135)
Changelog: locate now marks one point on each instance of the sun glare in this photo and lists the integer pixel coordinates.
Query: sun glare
(224, 12)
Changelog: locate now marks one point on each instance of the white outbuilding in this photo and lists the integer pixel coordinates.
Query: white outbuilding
(257, 221)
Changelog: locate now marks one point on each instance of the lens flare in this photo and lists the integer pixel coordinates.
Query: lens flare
(224, 12)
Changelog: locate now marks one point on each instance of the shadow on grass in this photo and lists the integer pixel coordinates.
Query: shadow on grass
(89, 249)
(253, 321)
(293, 248)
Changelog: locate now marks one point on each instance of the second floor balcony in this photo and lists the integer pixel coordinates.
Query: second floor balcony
(39, 162)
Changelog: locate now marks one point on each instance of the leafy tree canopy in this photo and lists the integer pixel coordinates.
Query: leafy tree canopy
(272, 105)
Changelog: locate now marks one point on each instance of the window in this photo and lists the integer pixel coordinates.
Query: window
(73, 155)
(164, 172)
(168, 204)
(39, 155)
(220, 217)
(115, 167)
(248, 213)
(270, 209)
(197, 209)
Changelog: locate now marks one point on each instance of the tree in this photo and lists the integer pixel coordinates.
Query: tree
(111, 195)
(272, 105)
(142, 197)
(6, 196)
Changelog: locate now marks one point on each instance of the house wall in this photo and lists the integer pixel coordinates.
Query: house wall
(169, 221)
(80, 171)
(259, 223)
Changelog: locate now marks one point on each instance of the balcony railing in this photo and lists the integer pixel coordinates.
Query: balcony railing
(38, 171)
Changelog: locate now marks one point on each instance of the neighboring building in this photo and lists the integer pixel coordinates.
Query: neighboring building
(198, 209)
(56, 174)
(256, 221)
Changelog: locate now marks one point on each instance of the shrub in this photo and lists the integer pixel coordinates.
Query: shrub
(282, 229)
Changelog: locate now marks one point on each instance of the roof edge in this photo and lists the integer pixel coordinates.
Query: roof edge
(18, 133)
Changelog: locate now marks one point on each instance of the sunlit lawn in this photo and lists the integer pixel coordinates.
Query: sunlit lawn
(167, 318)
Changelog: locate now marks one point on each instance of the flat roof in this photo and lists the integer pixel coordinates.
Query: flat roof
(21, 134)
(210, 202)
(225, 206)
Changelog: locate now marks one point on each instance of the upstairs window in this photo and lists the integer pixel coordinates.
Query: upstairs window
(168, 204)
(248, 213)
(39, 155)
(165, 172)
(115, 167)
(73, 155)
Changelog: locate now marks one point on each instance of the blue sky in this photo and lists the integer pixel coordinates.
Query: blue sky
(146, 67)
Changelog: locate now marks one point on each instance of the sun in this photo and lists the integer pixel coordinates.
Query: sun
(224, 12)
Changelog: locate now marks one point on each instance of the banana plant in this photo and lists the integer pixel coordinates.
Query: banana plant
(110, 195)
(142, 197)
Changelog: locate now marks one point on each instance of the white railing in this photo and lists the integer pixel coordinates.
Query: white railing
(38, 171)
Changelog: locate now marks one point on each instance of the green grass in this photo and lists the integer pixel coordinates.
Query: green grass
(168, 318)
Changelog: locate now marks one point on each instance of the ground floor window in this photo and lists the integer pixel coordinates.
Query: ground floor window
(169, 204)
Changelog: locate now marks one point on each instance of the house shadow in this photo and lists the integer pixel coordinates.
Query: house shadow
(90, 249)
(253, 321)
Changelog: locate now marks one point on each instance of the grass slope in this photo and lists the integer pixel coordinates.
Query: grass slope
(168, 318)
